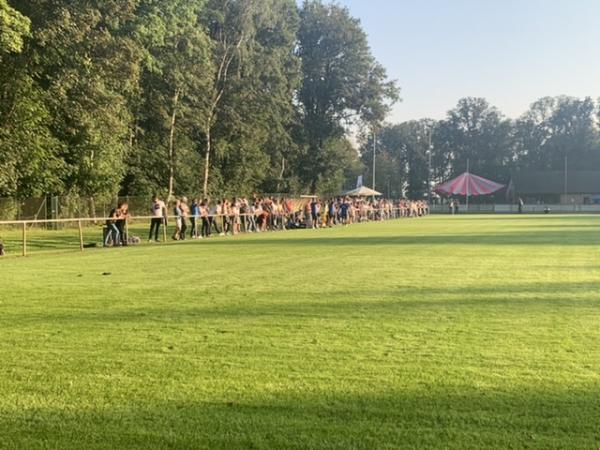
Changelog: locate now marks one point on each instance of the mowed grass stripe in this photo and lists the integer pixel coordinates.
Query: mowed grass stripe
(446, 332)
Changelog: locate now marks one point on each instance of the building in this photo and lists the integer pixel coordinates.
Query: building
(555, 187)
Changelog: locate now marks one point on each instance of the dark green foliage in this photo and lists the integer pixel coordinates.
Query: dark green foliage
(29, 153)
(168, 102)
(81, 57)
(555, 128)
(231, 97)
(254, 113)
(402, 159)
(553, 132)
(175, 96)
(342, 84)
(476, 132)
(14, 27)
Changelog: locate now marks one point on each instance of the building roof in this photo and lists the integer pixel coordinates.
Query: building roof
(553, 182)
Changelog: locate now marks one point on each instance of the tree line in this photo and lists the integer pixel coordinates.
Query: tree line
(106, 97)
(230, 97)
(554, 132)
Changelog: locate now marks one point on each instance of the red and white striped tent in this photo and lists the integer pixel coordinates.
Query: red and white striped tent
(468, 185)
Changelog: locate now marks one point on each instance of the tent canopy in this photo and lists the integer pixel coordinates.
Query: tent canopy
(362, 191)
(469, 185)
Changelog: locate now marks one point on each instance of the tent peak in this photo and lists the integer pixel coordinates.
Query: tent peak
(468, 184)
(362, 191)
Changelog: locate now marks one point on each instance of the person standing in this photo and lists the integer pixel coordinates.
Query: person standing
(159, 217)
(225, 222)
(185, 213)
(331, 213)
(112, 231)
(194, 216)
(178, 213)
(344, 212)
(206, 222)
(258, 216)
(122, 222)
(267, 214)
(215, 217)
(234, 216)
(315, 212)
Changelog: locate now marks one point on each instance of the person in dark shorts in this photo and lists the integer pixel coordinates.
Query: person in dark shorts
(194, 216)
(159, 214)
(344, 211)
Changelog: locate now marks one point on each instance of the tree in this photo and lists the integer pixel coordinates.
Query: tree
(168, 103)
(229, 25)
(402, 160)
(556, 128)
(83, 58)
(29, 156)
(342, 84)
(29, 153)
(478, 133)
(14, 28)
(252, 136)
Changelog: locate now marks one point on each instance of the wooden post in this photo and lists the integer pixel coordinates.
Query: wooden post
(164, 230)
(126, 228)
(80, 235)
(24, 238)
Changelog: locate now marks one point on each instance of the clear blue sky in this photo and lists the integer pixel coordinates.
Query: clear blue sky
(508, 51)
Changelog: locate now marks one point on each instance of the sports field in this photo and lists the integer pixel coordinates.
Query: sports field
(437, 333)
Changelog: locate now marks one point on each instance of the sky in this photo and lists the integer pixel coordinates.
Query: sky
(511, 52)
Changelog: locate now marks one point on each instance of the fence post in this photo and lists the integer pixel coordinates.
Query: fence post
(24, 238)
(125, 238)
(54, 211)
(80, 234)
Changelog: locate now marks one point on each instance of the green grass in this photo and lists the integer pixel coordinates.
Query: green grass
(440, 333)
(41, 240)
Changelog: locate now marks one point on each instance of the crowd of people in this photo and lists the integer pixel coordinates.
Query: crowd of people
(200, 219)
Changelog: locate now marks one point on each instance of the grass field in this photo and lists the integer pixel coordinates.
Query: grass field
(440, 333)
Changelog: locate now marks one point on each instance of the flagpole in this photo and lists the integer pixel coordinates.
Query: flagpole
(374, 154)
(468, 170)
(566, 178)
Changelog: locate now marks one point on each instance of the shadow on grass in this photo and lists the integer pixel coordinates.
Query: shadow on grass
(434, 418)
(533, 238)
(512, 300)
(539, 233)
(48, 242)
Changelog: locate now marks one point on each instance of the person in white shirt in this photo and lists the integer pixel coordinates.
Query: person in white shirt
(159, 215)
(215, 217)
